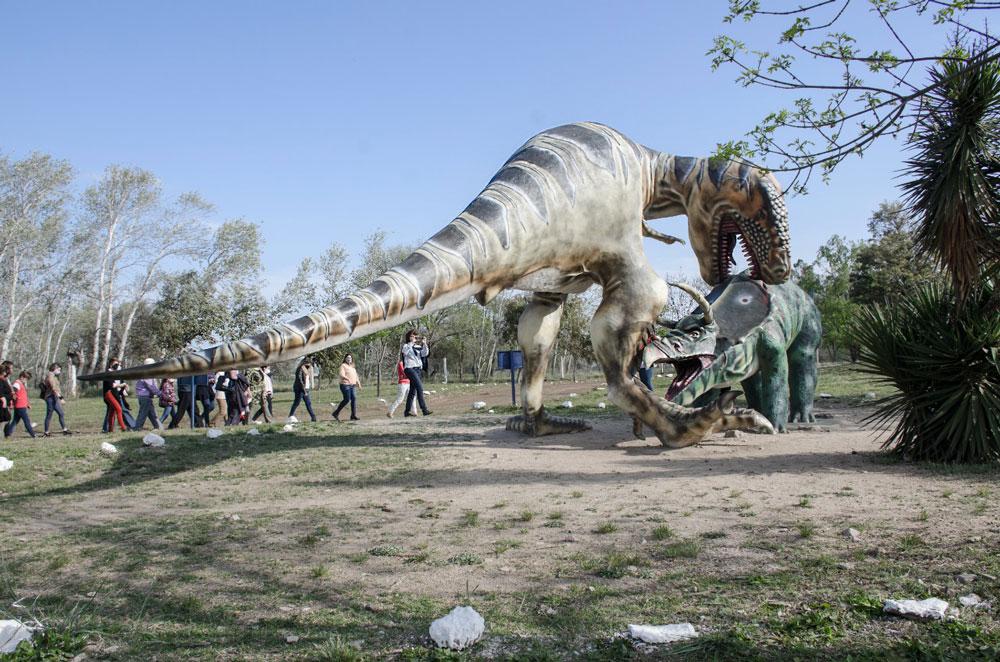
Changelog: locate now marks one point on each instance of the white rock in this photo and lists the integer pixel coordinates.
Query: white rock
(491, 411)
(871, 395)
(965, 578)
(823, 395)
(234, 517)
(462, 627)
(428, 392)
(479, 404)
(5, 464)
(253, 432)
(662, 634)
(382, 400)
(573, 395)
(970, 600)
(291, 639)
(602, 405)
(567, 405)
(292, 419)
(213, 433)
(288, 428)
(12, 633)
(108, 449)
(853, 534)
(153, 440)
(931, 609)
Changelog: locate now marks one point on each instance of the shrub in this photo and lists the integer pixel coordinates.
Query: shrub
(944, 361)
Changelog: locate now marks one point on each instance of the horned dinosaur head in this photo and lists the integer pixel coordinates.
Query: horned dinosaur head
(689, 346)
(737, 203)
(707, 350)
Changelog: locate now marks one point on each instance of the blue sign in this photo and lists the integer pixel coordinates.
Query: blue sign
(510, 359)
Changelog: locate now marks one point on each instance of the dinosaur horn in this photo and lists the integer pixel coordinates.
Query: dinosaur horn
(699, 298)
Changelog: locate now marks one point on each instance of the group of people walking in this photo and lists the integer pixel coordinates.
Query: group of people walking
(15, 403)
(207, 399)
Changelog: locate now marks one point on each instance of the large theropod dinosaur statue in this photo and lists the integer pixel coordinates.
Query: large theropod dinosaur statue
(764, 338)
(568, 210)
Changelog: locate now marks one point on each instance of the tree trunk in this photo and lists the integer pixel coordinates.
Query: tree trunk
(444, 368)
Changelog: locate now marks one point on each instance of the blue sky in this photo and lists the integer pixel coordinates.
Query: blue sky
(323, 121)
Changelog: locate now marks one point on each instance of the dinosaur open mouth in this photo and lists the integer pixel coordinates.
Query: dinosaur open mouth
(728, 233)
(687, 369)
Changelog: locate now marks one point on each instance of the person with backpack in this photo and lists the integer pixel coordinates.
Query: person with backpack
(52, 394)
(301, 388)
(21, 405)
(168, 399)
(236, 387)
(145, 391)
(414, 352)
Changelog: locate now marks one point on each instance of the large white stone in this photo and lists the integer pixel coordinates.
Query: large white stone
(567, 405)
(602, 405)
(153, 440)
(108, 449)
(288, 428)
(931, 609)
(213, 433)
(253, 432)
(12, 633)
(662, 634)
(462, 627)
(5, 464)
(292, 419)
(478, 404)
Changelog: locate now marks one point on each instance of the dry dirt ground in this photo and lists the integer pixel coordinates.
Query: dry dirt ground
(350, 537)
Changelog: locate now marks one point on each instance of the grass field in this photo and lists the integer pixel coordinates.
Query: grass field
(343, 541)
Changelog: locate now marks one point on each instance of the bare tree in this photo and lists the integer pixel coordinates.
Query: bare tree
(855, 90)
(33, 195)
(114, 211)
(177, 232)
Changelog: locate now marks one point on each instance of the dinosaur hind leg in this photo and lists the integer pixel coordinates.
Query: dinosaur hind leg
(625, 313)
(802, 371)
(536, 333)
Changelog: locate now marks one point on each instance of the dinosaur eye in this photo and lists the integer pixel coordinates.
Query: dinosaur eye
(696, 334)
(746, 299)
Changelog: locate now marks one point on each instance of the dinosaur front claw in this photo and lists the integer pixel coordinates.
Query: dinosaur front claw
(543, 423)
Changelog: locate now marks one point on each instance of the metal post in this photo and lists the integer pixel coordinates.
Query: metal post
(513, 394)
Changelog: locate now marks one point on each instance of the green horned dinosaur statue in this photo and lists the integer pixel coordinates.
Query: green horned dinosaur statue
(567, 211)
(763, 337)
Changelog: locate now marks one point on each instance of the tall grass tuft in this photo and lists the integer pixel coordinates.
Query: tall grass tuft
(944, 361)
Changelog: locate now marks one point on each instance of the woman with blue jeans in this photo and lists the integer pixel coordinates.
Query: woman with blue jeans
(414, 351)
(348, 383)
(53, 398)
(303, 384)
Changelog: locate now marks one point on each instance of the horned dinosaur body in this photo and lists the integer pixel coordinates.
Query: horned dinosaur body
(568, 210)
(764, 338)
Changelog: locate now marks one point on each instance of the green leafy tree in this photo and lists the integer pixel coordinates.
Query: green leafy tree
(887, 266)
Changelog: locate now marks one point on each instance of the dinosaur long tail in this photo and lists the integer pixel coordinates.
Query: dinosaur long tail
(438, 274)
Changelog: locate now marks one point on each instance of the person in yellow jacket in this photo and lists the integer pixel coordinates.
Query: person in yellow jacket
(348, 384)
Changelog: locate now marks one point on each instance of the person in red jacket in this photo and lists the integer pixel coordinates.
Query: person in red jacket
(21, 405)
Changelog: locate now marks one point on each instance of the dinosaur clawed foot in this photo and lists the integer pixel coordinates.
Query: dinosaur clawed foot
(543, 424)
